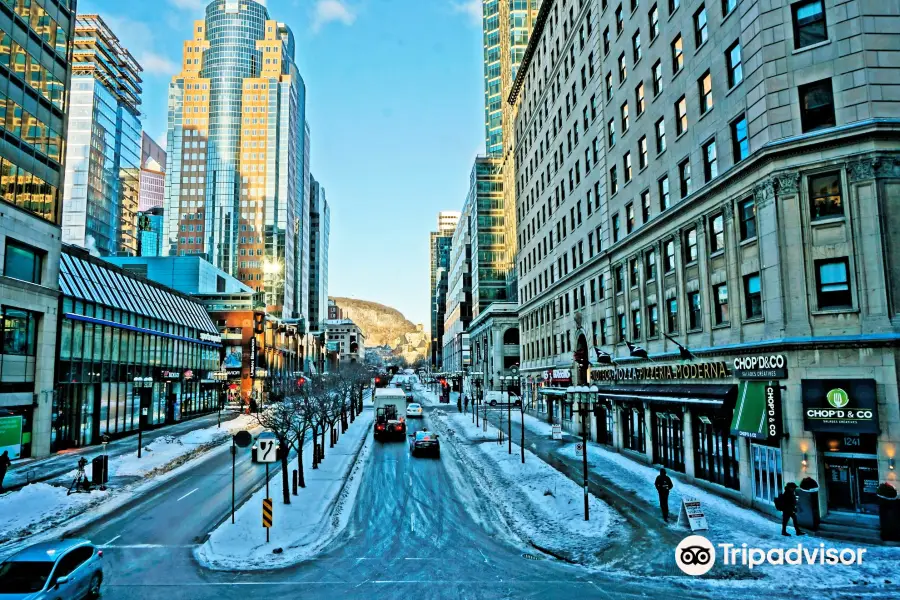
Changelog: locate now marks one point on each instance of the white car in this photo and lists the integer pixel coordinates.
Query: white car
(414, 410)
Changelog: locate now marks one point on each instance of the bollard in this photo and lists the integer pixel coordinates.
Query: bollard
(296, 477)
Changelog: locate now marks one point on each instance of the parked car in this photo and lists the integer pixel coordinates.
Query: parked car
(424, 442)
(69, 569)
(265, 435)
(414, 411)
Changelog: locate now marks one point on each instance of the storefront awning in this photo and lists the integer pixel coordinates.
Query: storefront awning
(713, 394)
(548, 391)
(750, 410)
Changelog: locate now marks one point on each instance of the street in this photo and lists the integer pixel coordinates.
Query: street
(410, 533)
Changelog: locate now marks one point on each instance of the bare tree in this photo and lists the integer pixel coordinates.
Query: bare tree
(279, 418)
(303, 422)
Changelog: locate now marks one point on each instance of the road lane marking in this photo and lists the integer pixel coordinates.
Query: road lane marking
(150, 546)
(111, 541)
(188, 494)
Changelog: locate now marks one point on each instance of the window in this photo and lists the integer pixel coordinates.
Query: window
(623, 71)
(623, 328)
(669, 248)
(740, 142)
(650, 265)
(642, 152)
(833, 284)
(636, 324)
(701, 27)
(752, 296)
(633, 273)
(620, 22)
(681, 122)
(768, 478)
(684, 176)
(611, 132)
(704, 84)
(22, 262)
(636, 46)
(613, 181)
(673, 5)
(660, 135)
(677, 54)
(720, 297)
(747, 216)
(609, 86)
(710, 163)
(733, 64)
(623, 112)
(620, 279)
(657, 78)
(645, 205)
(652, 321)
(626, 164)
(654, 22)
(809, 23)
(690, 245)
(606, 41)
(629, 218)
(825, 196)
(717, 233)
(664, 200)
(728, 6)
(816, 105)
(639, 98)
(694, 310)
(672, 315)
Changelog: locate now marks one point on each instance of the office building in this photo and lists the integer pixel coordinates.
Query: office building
(677, 197)
(150, 225)
(345, 340)
(319, 232)
(506, 27)
(334, 311)
(439, 251)
(103, 153)
(153, 174)
(236, 147)
(35, 55)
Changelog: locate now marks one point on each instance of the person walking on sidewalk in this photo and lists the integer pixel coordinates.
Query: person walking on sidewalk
(787, 504)
(663, 485)
(4, 466)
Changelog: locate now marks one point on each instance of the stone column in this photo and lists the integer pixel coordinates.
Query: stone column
(648, 433)
(792, 240)
(769, 259)
(688, 429)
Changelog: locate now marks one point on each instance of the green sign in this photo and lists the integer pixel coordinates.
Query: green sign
(838, 398)
(11, 436)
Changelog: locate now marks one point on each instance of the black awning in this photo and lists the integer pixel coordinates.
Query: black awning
(717, 395)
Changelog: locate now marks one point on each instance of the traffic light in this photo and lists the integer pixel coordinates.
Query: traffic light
(301, 381)
(259, 323)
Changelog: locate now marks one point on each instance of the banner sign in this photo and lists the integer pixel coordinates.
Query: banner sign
(708, 370)
(840, 405)
(769, 366)
(253, 357)
(11, 436)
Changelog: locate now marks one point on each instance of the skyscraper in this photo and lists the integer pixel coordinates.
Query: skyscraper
(235, 171)
(507, 25)
(439, 248)
(35, 55)
(153, 174)
(100, 198)
(319, 231)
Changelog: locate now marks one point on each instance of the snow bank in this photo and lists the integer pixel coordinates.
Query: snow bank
(315, 516)
(538, 503)
(39, 506)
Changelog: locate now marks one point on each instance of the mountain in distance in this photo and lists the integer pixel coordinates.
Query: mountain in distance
(385, 326)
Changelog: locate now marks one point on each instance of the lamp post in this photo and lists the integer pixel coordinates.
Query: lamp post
(584, 398)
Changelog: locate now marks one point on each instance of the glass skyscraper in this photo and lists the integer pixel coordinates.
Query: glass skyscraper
(103, 159)
(506, 27)
(319, 232)
(439, 247)
(235, 173)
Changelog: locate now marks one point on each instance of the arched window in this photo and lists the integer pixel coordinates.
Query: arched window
(511, 337)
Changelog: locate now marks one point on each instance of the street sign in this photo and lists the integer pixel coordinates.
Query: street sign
(267, 512)
(266, 451)
(243, 439)
(557, 431)
(692, 512)
(579, 447)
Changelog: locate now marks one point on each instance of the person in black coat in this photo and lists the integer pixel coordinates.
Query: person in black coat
(663, 485)
(789, 509)
(4, 466)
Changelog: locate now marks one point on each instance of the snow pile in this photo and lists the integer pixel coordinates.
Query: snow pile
(315, 516)
(541, 505)
(39, 506)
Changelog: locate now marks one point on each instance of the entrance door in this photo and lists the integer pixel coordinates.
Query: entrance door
(852, 482)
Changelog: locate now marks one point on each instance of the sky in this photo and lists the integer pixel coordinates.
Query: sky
(395, 104)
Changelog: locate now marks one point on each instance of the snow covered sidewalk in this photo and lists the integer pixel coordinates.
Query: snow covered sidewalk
(538, 503)
(41, 507)
(315, 516)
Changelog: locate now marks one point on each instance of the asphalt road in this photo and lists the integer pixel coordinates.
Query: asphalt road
(410, 534)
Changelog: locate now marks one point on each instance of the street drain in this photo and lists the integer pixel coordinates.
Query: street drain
(532, 557)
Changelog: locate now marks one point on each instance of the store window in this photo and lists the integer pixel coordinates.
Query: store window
(633, 428)
(768, 478)
(716, 454)
(668, 440)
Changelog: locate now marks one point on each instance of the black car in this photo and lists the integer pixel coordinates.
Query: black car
(424, 442)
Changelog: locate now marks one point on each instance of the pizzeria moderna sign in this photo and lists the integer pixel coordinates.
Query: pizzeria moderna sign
(691, 371)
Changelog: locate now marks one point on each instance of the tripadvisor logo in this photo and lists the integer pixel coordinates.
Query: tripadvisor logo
(838, 398)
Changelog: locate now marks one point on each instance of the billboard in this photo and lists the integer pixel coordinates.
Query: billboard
(11, 436)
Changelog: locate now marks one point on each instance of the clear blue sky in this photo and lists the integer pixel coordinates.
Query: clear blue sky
(395, 106)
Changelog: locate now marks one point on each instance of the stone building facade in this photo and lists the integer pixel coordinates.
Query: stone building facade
(711, 183)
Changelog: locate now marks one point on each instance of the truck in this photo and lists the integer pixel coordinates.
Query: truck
(390, 414)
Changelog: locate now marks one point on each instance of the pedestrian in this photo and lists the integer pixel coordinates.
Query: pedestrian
(787, 504)
(4, 466)
(466, 403)
(663, 485)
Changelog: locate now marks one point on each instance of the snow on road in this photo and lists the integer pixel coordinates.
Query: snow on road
(315, 516)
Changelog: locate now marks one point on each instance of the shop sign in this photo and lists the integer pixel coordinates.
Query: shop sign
(210, 337)
(708, 370)
(692, 512)
(847, 443)
(253, 357)
(558, 374)
(166, 374)
(841, 405)
(765, 366)
(557, 431)
(143, 382)
(11, 436)
(189, 374)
